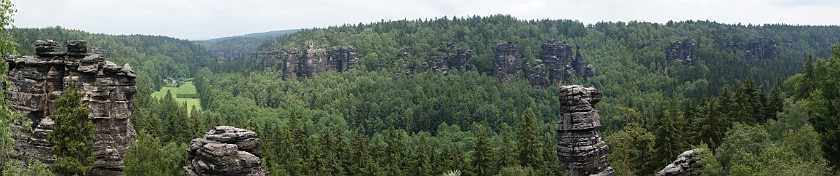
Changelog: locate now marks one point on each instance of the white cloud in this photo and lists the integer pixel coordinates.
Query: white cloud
(200, 19)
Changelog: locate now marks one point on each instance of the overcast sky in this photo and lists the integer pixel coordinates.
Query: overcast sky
(204, 19)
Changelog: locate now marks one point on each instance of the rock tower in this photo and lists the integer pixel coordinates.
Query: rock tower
(108, 90)
(580, 149)
(225, 150)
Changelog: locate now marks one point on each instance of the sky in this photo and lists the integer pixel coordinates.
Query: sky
(206, 19)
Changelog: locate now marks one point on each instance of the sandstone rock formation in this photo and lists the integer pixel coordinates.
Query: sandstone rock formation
(508, 62)
(556, 64)
(305, 63)
(686, 164)
(108, 88)
(580, 149)
(449, 57)
(227, 151)
(682, 51)
(761, 49)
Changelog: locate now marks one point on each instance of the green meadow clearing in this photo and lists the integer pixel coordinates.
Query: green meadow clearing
(184, 93)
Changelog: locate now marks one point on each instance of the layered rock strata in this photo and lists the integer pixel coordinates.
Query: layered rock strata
(225, 150)
(686, 164)
(580, 149)
(307, 62)
(108, 91)
(681, 51)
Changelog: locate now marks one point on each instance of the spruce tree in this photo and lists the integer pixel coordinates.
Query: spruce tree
(72, 135)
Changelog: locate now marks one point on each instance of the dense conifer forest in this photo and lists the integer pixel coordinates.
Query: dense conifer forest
(757, 114)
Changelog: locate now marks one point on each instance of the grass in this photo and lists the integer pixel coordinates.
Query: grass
(185, 88)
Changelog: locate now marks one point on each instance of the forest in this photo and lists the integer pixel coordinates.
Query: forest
(768, 115)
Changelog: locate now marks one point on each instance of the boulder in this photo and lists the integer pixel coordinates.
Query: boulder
(225, 150)
(685, 164)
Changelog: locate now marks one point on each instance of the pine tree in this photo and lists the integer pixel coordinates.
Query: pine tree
(72, 135)
(364, 163)
(422, 157)
(481, 156)
(809, 80)
(529, 142)
(506, 153)
(396, 152)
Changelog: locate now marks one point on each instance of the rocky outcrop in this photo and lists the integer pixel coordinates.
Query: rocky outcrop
(449, 57)
(687, 164)
(507, 62)
(225, 150)
(108, 88)
(761, 49)
(314, 59)
(681, 51)
(580, 149)
(556, 65)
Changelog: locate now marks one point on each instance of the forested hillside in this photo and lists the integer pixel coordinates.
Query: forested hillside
(761, 98)
(733, 86)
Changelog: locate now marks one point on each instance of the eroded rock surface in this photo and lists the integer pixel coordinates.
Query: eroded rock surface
(681, 51)
(507, 62)
(761, 49)
(307, 62)
(225, 150)
(580, 149)
(556, 64)
(686, 164)
(108, 88)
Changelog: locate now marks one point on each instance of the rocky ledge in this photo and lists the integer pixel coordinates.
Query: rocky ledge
(225, 150)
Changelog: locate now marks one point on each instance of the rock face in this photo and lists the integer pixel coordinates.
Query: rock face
(449, 57)
(556, 64)
(682, 51)
(762, 49)
(686, 164)
(305, 63)
(225, 150)
(508, 62)
(108, 88)
(580, 149)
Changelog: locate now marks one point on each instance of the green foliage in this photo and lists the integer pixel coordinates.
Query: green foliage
(7, 43)
(149, 156)
(72, 135)
(516, 170)
(7, 47)
(482, 153)
(529, 143)
(33, 167)
(630, 151)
